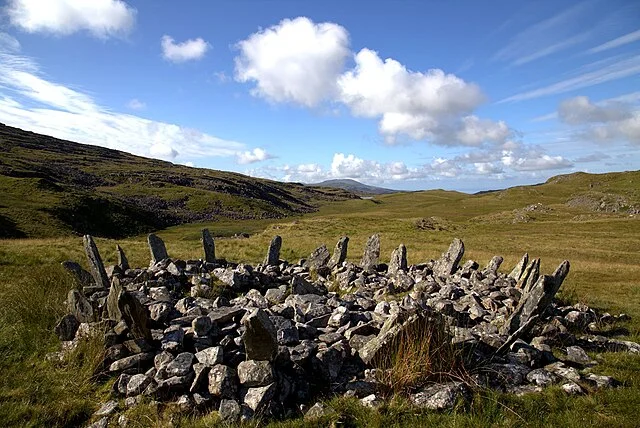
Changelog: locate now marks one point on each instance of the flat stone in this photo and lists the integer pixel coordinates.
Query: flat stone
(339, 253)
(577, 355)
(134, 361)
(541, 377)
(447, 264)
(255, 373)
(107, 408)
(398, 260)
(273, 253)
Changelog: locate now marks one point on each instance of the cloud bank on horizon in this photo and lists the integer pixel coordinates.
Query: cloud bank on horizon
(309, 100)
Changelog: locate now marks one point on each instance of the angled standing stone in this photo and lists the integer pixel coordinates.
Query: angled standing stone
(318, 258)
(371, 253)
(83, 277)
(530, 276)
(273, 254)
(493, 265)
(339, 253)
(113, 310)
(135, 315)
(447, 264)
(398, 260)
(95, 262)
(519, 269)
(123, 262)
(79, 306)
(157, 248)
(209, 246)
(536, 299)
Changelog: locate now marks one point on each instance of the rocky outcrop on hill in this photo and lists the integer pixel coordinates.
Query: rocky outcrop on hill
(269, 340)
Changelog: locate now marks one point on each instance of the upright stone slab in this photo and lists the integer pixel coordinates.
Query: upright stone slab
(83, 277)
(318, 258)
(371, 253)
(123, 262)
(530, 276)
(339, 253)
(95, 262)
(519, 269)
(273, 254)
(447, 264)
(536, 299)
(79, 306)
(113, 310)
(398, 260)
(493, 265)
(157, 249)
(135, 315)
(209, 246)
(260, 338)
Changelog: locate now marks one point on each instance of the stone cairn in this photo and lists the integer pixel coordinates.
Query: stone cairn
(286, 340)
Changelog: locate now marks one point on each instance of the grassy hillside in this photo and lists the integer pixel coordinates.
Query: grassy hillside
(601, 238)
(52, 187)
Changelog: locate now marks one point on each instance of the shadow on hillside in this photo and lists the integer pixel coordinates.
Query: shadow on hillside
(9, 229)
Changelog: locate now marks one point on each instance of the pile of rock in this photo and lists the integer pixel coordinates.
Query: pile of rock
(296, 332)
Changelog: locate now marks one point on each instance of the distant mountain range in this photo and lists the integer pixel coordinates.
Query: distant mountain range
(355, 187)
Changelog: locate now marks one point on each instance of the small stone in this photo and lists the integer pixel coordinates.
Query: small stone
(202, 325)
(223, 381)
(541, 377)
(181, 365)
(317, 411)
(577, 355)
(210, 356)
(137, 384)
(258, 398)
(67, 327)
(371, 401)
(229, 411)
(601, 382)
(133, 362)
(107, 408)
(102, 423)
(441, 396)
(572, 388)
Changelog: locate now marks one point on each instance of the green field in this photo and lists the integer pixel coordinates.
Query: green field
(587, 219)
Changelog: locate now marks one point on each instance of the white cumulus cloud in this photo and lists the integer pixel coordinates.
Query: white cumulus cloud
(189, 50)
(420, 105)
(295, 61)
(252, 156)
(102, 18)
(136, 104)
(607, 121)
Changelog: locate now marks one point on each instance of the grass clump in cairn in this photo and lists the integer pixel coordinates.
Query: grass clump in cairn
(420, 354)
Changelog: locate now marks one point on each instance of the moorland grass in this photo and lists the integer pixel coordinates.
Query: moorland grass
(603, 250)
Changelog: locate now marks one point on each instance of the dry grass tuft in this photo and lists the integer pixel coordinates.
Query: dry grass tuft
(422, 353)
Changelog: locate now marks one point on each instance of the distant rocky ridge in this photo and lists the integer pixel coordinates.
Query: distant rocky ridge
(297, 332)
(355, 187)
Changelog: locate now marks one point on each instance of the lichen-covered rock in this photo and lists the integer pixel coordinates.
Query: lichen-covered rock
(255, 373)
(260, 336)
(441, 396)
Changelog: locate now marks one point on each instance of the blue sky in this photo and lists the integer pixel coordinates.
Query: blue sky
(463, 95)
